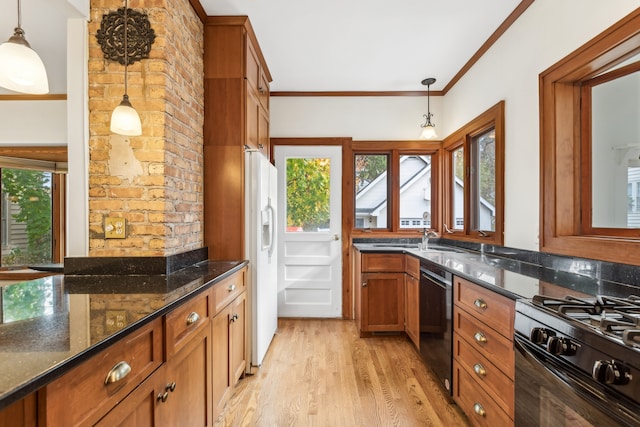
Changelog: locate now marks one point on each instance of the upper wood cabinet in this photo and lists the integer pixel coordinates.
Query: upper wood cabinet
(236, 116)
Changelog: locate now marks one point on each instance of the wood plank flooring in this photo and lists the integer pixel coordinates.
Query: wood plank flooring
(319, 372)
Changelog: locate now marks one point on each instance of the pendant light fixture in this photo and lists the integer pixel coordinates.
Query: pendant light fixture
(114, 38)
(21, 69)
(428, 128)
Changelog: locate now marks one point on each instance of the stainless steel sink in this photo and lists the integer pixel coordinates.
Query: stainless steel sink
(395, 245)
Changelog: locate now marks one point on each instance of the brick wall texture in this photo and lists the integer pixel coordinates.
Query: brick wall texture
(155, 180)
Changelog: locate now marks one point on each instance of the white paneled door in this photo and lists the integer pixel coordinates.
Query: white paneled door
(309, 228)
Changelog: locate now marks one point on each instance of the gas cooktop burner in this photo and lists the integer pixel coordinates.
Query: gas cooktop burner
(619, 317)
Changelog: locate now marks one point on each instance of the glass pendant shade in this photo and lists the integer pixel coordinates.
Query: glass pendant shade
(21, 69)
(125, 119)
(428, 132)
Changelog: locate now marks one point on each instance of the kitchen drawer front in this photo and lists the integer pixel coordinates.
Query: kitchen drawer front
(485, 340)
(184, 321)
(228, 289)
(495, 382)
(86, 384)
(412, 266)
(481, 409)
(383, 263)
(493, 309)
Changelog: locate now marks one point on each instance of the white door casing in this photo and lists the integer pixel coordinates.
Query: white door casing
(310, 262)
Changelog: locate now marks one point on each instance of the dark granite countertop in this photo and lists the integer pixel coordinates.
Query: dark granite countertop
(50, 325)
(505, 273)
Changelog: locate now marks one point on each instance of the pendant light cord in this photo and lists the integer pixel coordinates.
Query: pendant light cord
(19, 15)
(126, 52)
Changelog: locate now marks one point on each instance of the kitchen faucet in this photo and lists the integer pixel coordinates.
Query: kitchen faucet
(426, 236)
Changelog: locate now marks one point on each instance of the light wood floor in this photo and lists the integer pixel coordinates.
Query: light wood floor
(321, 373)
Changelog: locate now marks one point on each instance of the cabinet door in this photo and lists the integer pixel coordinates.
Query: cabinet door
(383, 302)
(188, 381)
(221, 378)
(238, 335)
(141, 407)
(412, 309)
(22, 413)
(263, 132)
(252, 118)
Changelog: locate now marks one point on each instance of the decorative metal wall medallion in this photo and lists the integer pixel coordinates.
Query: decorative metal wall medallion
(140, 36)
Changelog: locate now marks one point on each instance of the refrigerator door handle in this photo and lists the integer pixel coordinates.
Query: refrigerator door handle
(272, 228)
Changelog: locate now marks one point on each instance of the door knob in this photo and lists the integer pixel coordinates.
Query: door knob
(336, 237)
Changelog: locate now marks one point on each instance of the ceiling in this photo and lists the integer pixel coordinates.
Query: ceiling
(366, 45)
(332, 45)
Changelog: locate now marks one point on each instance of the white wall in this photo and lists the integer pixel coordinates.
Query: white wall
(544, 34)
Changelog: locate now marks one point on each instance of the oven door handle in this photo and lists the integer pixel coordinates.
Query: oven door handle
(575, 380)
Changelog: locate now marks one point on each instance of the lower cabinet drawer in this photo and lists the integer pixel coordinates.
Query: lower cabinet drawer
(101, 382)
(184, 321)
(227, 290)
(487, 341)
(481, 409)
(495, 382)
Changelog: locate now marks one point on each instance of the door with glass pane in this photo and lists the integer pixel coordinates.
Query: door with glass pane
(310, 261)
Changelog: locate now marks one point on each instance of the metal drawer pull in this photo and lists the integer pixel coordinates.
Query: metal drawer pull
(480, 337)
(232, 287)
(480, 303)
(192, 318)
(364, 284)
(479, 370)
(171, 387)
(118, 372)
(162, 397)
(479, 409)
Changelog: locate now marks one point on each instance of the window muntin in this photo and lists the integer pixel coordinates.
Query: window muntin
(371, 190)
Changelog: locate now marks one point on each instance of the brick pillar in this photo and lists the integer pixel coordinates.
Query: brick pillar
(154, 181)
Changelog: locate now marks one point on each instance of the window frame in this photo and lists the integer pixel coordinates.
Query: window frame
(394, 150)
(493, 118)
(561, 131)
(52, 159)
(586, 165)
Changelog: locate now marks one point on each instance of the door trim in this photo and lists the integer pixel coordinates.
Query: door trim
(347, 206)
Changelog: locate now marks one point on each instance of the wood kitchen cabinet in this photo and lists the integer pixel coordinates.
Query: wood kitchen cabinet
(229, 334)
(22, 413)
(381, 289)
(236, 86)
(104, 380)
(412, 299)
(484, 358)
(179, 392)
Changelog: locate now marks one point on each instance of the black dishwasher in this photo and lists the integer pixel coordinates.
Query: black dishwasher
(435, 321)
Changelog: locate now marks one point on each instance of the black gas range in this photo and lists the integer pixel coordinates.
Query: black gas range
(577, 361)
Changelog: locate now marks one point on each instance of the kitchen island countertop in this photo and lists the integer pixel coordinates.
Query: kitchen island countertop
(52, 324)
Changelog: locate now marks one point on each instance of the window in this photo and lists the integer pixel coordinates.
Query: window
(27, 217)
(393, 188)
(32, 205)
(372, 190)
(474, 178)
(588, 192)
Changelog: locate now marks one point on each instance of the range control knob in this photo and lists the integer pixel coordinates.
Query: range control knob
(540, 335)
(610, 372)
(561, 346)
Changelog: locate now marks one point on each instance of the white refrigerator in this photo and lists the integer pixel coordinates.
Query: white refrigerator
(261, 251)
